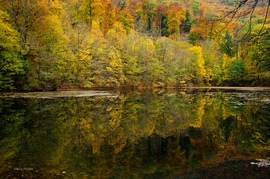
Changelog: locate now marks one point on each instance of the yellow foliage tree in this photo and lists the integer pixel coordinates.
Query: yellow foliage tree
(197, 68)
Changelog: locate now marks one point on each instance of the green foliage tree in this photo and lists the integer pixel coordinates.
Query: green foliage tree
(132, 68)
(236, 71)
(227, 45)
(126, 19)
(165, 55)
(195, 7)
(193, 37)
(186, 23)
(93, 10)
(259, 51)
(146, 59)
(174, 58)
(80, 64)
(49, 59)
(221, 69)
(11, 61)
(146, 15)
(99, 52)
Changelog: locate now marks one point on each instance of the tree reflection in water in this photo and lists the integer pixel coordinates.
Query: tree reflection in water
(136, 135)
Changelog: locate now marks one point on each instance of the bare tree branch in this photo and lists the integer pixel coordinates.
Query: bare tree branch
(245, 8)
(265, 16)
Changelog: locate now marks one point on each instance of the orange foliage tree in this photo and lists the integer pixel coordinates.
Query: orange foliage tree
(175, 14)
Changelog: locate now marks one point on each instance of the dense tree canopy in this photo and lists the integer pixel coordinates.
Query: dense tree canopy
(11, 64)
(47, 45)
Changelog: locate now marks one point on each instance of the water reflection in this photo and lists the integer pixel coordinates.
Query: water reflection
(136, 135)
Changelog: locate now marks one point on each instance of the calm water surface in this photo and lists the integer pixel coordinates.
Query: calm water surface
(199, 133)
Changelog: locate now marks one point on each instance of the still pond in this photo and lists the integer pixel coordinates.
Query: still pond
(187, 133)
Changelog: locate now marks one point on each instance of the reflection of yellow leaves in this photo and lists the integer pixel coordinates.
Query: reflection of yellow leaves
(121, 143)
(200, 113)
(85, 124)
(259, 142)
(150, 128)
(96, 146)
(113, 123)
(109, 108)
(72, 110)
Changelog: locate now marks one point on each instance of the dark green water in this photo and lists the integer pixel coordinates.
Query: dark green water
(151, 134)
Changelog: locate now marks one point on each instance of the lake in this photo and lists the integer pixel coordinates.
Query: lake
(184, 133)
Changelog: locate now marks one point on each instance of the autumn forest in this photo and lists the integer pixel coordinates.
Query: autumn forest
(48, 45)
